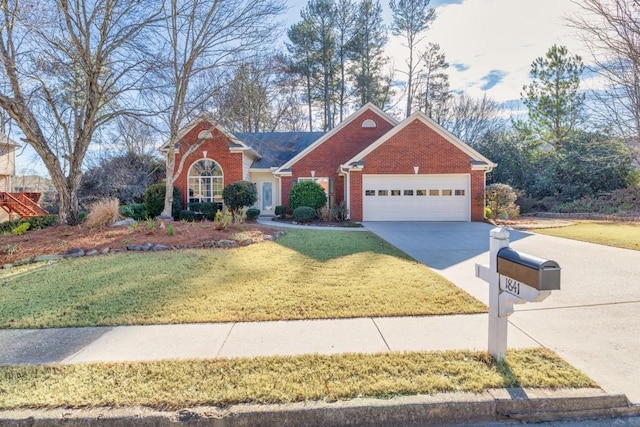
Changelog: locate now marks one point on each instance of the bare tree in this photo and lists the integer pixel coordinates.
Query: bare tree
(65, 64)
(201, 40)
(471, 119)
(611, 30)
(411, 18)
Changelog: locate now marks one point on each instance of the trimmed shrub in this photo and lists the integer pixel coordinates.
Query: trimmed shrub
(135, 211)
(304, 214)
(103, 213)
(307, 193)
(280, 211)
(187, 215)
(501, 200)
(239, 194)
(154, 200)
(207, 209)
(253, 214)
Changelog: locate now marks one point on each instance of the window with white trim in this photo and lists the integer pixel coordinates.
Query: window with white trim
(205, 182)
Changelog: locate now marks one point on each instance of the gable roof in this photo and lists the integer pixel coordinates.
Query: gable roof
(326, 136)
(202, 117)
(235, 143)
(478, 161)
(276, 148)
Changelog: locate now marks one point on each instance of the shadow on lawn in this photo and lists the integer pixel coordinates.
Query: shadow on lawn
(322, 245)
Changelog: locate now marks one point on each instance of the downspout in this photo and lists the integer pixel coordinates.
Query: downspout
(279, 179)
(484, 192)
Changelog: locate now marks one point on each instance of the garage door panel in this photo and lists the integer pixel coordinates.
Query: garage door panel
(416, 198)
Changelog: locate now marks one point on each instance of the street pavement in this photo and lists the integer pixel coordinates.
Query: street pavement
(593, 322)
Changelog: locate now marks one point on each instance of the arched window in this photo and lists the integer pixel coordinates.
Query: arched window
(205, 182)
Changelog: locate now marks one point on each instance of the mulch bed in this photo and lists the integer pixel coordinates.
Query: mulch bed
(61, 238)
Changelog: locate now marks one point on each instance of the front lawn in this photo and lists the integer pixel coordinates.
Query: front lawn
(618, 234)
(179, 384)
(306, 274)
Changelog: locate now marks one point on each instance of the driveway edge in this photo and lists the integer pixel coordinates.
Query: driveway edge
(441, 409)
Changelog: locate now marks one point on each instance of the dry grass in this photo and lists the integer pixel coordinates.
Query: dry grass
(179, 384)
(305, 275)
(103, 213)
(618, 234)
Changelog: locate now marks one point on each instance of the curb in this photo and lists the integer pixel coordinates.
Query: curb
(499, 405)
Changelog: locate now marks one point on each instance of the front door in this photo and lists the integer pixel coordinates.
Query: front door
(265, 197)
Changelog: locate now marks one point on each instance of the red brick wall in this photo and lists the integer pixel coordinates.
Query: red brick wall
(328, 156)
(355, 192)
(217, 148)
(418, 145)
(477, 195)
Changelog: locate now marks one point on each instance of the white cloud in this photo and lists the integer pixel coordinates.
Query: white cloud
(498, 36)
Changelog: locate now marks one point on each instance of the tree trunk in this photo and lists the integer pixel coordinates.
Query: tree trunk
(168, 195)
(67, 188)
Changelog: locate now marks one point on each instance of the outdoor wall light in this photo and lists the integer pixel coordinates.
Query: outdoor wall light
(415, 169)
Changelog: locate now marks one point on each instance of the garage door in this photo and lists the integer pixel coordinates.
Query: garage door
(416, 197)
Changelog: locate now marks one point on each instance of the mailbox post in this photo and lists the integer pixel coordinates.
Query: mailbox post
(514, 278)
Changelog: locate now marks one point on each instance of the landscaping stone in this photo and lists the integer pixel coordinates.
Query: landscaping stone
(7, 266)
(147, 247)
(74, 253)
(269, 237)
(116, 250)
(43, 258)
(224, 243)
(127, 222)
(23, 261)
(92, 252)
(134, 247)
(246, 242)
(160, 247)
(105, 251)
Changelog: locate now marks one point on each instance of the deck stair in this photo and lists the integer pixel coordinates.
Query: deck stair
(24, 205)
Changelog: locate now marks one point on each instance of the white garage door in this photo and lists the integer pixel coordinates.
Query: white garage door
(416, 197)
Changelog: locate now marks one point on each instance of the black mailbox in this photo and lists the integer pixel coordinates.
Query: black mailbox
(544, 275)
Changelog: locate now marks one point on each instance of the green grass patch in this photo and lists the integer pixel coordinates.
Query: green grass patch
(179, 384)
(618, 234)
(305, 275)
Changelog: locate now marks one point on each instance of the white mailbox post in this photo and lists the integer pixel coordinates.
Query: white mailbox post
(514, 278)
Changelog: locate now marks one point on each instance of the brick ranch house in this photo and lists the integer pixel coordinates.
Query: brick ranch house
(413, 170)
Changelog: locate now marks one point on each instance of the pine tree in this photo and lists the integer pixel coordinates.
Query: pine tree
(555, 106)
(368, 53)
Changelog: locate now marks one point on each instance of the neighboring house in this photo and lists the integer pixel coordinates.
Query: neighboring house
(383, 170)
(7, 162)
(7, 168)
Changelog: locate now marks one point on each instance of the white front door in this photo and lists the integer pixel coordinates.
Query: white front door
(265, 197)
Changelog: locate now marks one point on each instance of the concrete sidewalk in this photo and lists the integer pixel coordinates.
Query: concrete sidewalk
(194, 341)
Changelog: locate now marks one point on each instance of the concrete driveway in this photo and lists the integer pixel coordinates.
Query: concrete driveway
(593, 322)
